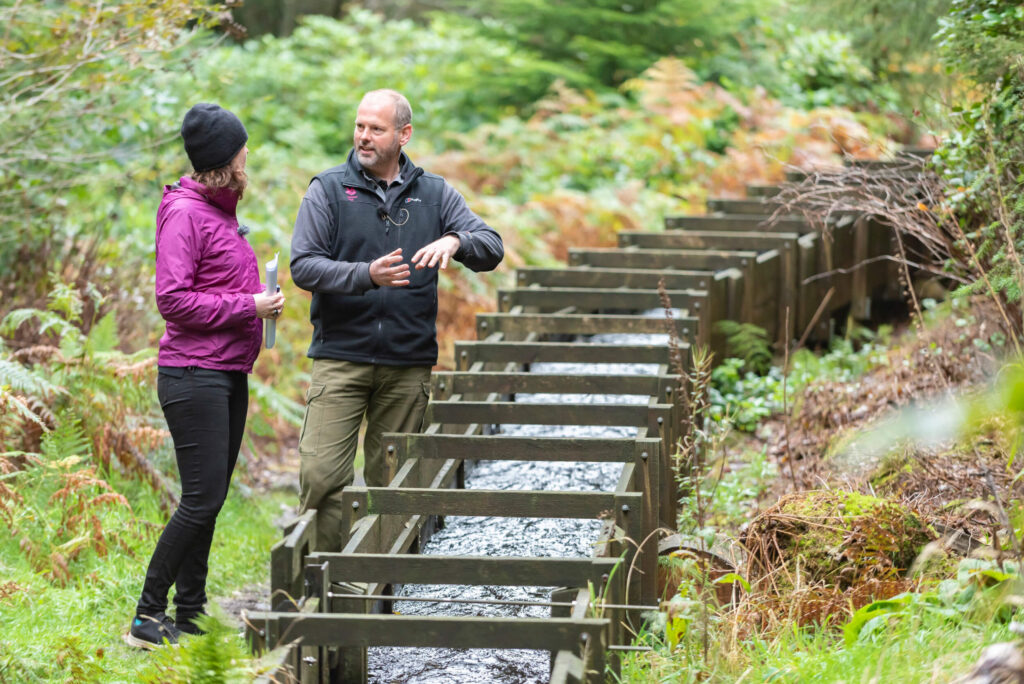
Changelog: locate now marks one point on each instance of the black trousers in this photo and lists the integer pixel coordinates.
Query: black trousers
(205, 412)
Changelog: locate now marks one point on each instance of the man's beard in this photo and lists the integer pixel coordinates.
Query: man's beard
(379, 159)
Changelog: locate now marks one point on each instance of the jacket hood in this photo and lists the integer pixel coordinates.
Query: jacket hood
(224, 199)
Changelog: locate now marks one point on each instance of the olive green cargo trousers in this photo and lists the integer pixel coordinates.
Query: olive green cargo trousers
(392, 398)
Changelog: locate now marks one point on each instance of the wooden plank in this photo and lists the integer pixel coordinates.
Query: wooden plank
(838, 252)
(579, 324)
(594, 299)
(326, 629)
(567, 669)
(509, 448)
(759, 206)
(560, 352)
(466, 570)
(881, 273)
(589, 277)
(466, 412)
(390, 534)
(287, 560)
(860, 295)
(446, 383)
(812, 292)
(720, 308)
(487, 502)
(738, 222)
(759, 190)
(763, 294)
(706, 239)
(693, 259)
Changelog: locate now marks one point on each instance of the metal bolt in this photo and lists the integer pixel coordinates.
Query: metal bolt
(355, 505)
(686, 332)
(660, 420)
(463, 354)
(391, 448)
(744, 262)
(701, 284)
(696, 305)
(643, 456)
(483, 324)
(668, 391)
(309, 660)
(584, 637)
(442, 386)
(625, 508)
(262, 633)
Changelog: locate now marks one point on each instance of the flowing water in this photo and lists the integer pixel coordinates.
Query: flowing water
(478, 536)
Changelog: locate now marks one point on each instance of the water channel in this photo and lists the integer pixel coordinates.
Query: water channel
(491, 536)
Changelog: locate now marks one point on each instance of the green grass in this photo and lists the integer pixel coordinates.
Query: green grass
(51, 633)
(920, 647)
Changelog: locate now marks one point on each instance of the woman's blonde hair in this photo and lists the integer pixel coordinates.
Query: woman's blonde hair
(224, 177)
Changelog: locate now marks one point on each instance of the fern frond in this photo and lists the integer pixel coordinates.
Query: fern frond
(19, 406)
(27, 381)
(66, 439)
(273, 403)
(748, 342)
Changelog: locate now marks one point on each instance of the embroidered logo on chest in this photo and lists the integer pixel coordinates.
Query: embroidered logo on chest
(350, 194)
(412, 199)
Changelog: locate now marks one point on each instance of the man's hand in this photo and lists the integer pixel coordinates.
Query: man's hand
(390, 270)
(437, 252)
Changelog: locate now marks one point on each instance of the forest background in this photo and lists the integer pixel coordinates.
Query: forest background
(562, 123)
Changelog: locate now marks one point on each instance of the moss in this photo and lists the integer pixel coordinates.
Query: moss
(835, 538)
(894, 465)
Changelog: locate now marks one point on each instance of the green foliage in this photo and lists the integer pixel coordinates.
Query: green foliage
(72, 133)
(268, 82)
(748, 342)
(982, 161)
(821, 69)
(221, 656)
(743, 398)
(610, 41)
(55, 631)
(981, 39)
(980, 589)
(901, 638)
(887, 41)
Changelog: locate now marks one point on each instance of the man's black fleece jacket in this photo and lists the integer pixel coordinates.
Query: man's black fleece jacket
(346, 221)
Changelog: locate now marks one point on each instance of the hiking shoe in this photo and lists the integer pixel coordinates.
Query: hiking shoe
(152, 632)
(187, 625)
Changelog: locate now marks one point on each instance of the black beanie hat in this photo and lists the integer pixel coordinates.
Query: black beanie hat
(213, 136)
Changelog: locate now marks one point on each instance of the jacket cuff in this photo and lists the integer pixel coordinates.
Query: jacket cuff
(464, 238)
(249, 304)
(363, 277)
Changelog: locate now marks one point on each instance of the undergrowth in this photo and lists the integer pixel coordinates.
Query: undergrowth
(742, 398)
(66, 601)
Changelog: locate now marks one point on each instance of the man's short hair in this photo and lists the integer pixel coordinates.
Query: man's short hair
(403, 110)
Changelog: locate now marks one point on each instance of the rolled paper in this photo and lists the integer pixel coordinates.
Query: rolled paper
(271, 324)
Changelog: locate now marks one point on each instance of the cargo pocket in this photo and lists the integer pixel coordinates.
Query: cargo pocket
(421, 405)
(312, 421)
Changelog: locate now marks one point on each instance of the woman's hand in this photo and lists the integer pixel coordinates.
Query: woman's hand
(268, 306)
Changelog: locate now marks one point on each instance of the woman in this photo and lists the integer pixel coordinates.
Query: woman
(208, 292)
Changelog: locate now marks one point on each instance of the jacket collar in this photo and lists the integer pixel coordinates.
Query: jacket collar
(224, 199)
(406, 169)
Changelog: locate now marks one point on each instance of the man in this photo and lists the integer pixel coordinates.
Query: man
(373, 312)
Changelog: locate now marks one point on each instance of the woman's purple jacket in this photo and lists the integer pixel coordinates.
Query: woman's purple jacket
(206, 274)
